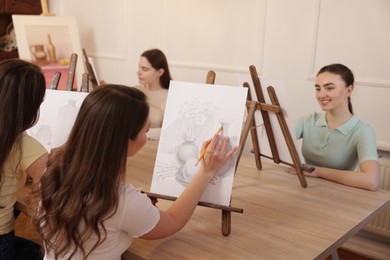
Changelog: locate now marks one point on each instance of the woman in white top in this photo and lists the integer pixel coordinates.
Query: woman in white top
(88, 211)
(154, 77)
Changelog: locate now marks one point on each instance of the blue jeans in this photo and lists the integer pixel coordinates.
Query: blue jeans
(13, 247)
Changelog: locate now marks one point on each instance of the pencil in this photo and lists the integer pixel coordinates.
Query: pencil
(205, 149)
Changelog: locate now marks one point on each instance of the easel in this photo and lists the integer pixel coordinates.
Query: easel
(226, 210)
(92, 76)
(45, 9)
(274, 108)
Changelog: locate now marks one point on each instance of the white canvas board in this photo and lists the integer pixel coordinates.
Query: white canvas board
(58, 112)
(193, 113)
(281, 93)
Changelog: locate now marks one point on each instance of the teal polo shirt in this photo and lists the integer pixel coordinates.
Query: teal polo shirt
(342, 148)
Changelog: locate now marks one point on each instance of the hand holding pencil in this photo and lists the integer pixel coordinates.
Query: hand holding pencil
(205, 149)
(216, 151)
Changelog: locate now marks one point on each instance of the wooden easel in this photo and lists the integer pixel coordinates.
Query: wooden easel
(274, 108)
(45, 9)
(92, 76)
(226, 210)
(71, 72)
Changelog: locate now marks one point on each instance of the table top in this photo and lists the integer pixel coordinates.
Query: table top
(280, 219)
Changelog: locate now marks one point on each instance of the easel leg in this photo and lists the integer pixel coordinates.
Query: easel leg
(256, 148)
(226, 222)
(287, 137)
(154, 201)
(255, 141)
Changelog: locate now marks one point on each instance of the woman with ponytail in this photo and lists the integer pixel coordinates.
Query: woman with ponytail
(338, 145)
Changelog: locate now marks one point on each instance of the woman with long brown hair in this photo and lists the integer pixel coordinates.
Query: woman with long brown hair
(154, 76)
(22, 89)
(87, 209)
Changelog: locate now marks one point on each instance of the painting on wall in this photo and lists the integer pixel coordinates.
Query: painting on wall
(281, 92)
(49, 42)
(58, 112)
(194, 112)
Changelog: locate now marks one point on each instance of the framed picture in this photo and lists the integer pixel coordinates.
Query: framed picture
(49, 42)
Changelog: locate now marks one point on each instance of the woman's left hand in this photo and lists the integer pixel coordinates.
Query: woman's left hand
(293, 171)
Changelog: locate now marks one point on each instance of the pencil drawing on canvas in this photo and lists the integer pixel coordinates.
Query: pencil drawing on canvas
(193, 120)
(192, 116)
(57, 115)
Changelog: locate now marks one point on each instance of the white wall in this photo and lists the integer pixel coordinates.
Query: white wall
(284, 39)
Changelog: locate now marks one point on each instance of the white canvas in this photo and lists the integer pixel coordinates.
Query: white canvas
(194, 112)
(57, 115)
(281, 92)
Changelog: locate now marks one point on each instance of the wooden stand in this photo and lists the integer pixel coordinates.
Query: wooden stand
(45, 9)
(85, 83)
(92, 76)
(274, 108)
(72, 72)
(226, 210)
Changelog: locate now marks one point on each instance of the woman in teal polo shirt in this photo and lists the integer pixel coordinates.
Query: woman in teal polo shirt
(339, 146)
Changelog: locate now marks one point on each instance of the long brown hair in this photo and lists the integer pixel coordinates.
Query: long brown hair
(81, 182)
(22, 89)
(158, 61)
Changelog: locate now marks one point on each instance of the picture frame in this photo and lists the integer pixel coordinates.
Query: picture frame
(49, 42)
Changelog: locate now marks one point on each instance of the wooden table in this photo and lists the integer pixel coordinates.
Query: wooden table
(281, 220)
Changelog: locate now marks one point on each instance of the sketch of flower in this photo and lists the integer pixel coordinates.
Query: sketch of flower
(194, 114)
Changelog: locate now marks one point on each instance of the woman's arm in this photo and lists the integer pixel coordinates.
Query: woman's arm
(37, 168)
(177, 215)
(366, 178)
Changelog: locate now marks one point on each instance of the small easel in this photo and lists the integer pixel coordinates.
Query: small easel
(226, 210)
(274, 108)
(45, 9)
